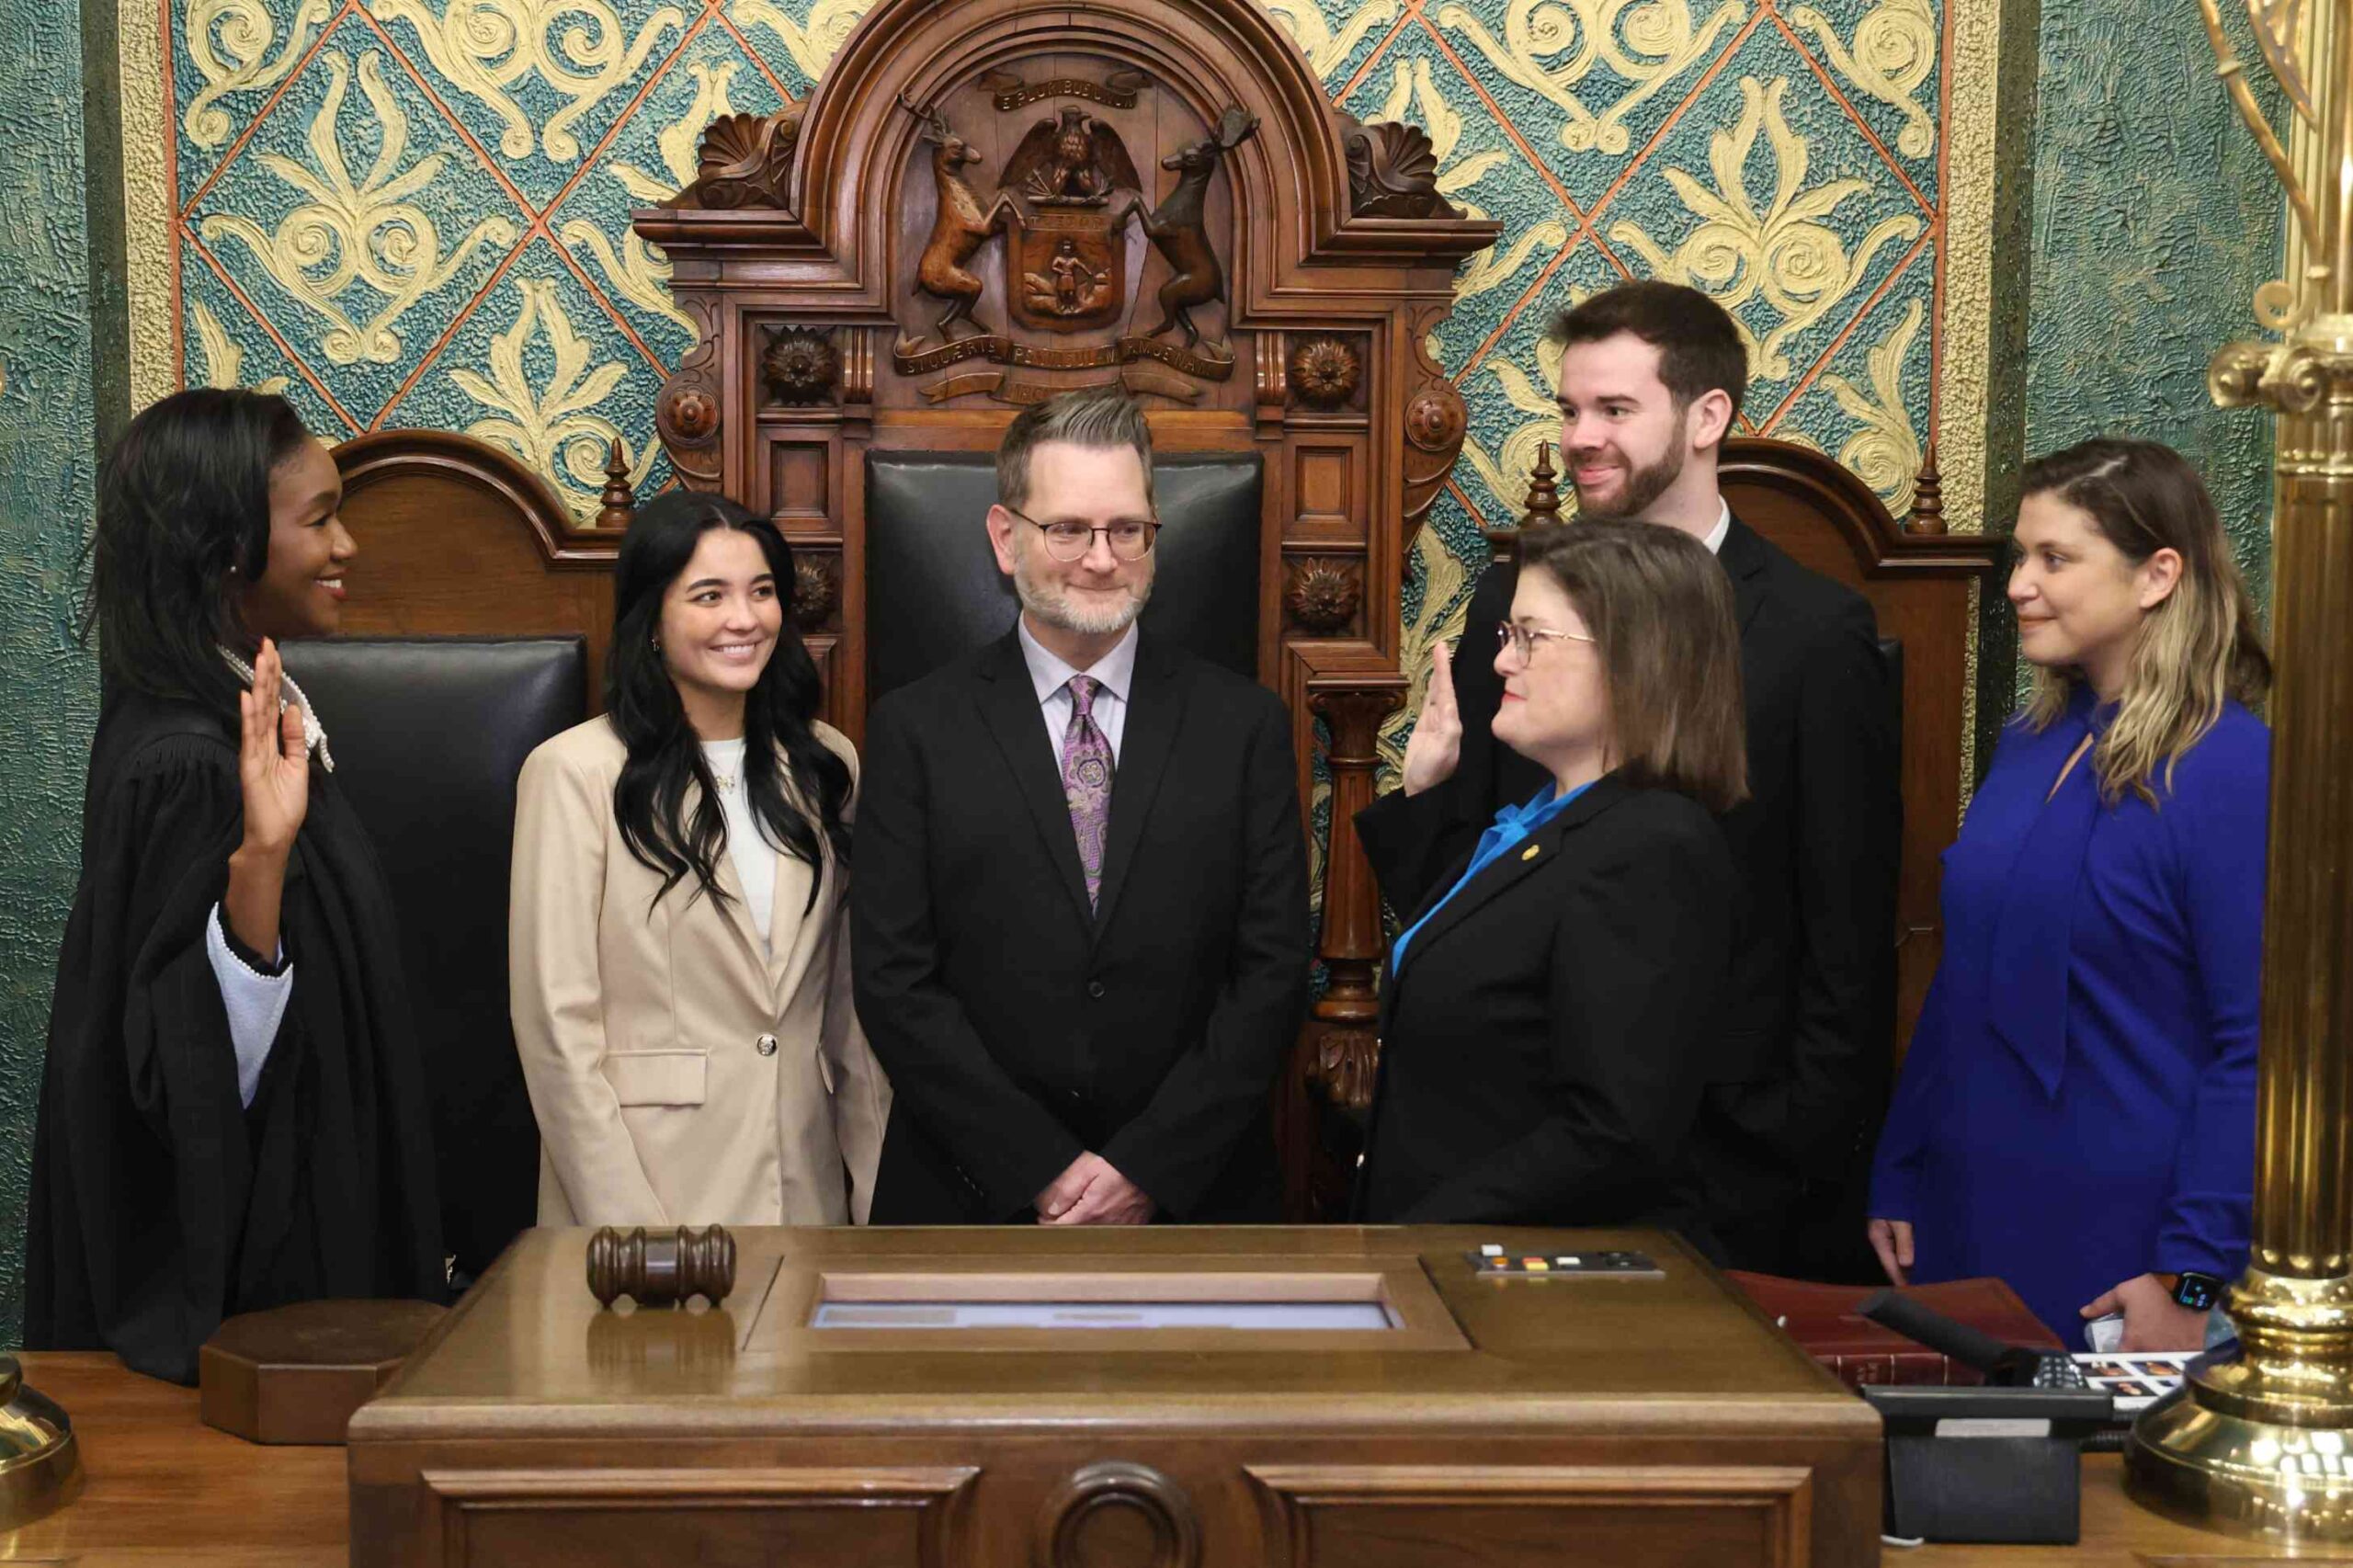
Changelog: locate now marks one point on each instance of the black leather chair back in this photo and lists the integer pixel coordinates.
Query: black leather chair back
(429, 735)
(932, 592)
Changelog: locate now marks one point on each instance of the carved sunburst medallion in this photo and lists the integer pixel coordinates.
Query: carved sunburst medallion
(800, 365)
(1324, 372)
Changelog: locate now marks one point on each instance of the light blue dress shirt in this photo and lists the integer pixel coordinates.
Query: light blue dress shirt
(1512, 825)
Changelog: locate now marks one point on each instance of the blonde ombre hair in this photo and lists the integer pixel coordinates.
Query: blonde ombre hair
(2198, 649)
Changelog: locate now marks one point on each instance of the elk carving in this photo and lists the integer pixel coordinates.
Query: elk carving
(960, 227)
(1176, 226)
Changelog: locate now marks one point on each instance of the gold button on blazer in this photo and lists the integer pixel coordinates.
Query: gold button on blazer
(682, 1072)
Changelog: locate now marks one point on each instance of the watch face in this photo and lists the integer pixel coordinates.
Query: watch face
(2199, 1291)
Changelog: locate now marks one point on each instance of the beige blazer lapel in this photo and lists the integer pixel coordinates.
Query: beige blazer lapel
(793, 934)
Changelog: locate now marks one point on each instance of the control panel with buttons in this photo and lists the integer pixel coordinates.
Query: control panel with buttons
(1492, 1262)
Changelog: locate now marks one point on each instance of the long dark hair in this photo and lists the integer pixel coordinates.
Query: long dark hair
(182, 521)
(666, 754)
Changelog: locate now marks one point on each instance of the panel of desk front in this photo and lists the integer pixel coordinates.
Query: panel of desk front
(1659, 1421)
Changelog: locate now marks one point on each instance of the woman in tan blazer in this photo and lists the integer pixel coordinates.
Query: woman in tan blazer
(680, 951)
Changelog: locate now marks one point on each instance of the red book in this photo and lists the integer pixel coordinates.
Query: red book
(1823, 1319)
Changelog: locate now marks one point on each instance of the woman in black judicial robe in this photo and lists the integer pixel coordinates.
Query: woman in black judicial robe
(174, 1181)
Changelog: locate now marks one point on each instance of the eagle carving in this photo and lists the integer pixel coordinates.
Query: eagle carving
(1073, 160)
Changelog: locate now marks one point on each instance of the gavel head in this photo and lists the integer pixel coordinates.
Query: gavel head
(661, 1268)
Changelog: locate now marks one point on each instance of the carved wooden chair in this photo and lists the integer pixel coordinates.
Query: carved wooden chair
(982, 204)
(1920, 581)
(465, 648)
(952, 225)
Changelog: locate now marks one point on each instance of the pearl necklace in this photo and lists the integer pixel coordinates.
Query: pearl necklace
(314, 734)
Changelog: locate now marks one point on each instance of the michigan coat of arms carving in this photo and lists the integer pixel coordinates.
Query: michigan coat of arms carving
(1066, 205)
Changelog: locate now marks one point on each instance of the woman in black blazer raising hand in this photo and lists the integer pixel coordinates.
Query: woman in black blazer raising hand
(1549, 1011)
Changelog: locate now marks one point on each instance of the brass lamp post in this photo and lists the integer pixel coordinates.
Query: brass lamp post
(2261, 1443)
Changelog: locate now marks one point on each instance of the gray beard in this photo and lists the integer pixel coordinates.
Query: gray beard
(1051, 606)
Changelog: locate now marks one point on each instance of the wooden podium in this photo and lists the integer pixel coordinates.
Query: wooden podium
(1431, 1415)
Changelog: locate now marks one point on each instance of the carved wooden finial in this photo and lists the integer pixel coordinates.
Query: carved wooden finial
(1544, 506)
(1543, 495)
(1928, 497)
(620, 498)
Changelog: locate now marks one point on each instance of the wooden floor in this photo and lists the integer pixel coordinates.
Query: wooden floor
(164, 1489)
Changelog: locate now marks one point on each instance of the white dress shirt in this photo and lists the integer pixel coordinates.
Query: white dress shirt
(1722, 531)
(1115, 672)
(747, 847)
(254, 1001)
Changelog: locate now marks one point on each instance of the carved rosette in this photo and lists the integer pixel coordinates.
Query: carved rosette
(745, 160)
(1324, 372)
(1322, 595)
(817, 591)
(802, 366)
(1075, 1511)
(1393, 173)
(1435, 422)
(686, 414)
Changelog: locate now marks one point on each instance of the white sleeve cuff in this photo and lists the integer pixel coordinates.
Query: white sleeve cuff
(256, 1004)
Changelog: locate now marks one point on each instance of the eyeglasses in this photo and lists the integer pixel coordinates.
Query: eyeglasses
(1521, 640)
(1071, 542)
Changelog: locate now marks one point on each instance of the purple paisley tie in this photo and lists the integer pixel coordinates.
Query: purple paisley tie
(1087, 780)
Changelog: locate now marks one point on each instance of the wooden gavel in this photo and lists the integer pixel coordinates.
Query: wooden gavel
(661, 1268)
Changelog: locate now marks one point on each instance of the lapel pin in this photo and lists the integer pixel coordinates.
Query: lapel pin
(1530, 853)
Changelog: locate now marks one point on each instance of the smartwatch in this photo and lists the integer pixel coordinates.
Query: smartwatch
(2200, 1292)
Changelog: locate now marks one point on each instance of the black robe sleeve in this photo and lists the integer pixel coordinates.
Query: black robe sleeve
(160, 1204)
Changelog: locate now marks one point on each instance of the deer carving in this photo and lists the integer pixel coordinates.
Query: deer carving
(961, 226)
(1177, 229)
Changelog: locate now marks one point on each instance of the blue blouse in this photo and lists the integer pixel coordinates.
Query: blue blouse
(2078, 1104)
(1512, 823)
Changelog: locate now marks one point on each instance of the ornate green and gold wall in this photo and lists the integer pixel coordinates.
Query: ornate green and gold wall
(414, 211)
(2156, 219)
(47, 688)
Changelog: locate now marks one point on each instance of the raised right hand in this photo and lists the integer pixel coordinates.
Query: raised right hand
(1892, 1239)
(273, 765)
(1437, 743)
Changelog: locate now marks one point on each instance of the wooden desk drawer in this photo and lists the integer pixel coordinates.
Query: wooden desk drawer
(1661, 1516)
(878, 1517)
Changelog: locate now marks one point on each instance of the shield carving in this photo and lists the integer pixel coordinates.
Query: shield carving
(1067, 265)
(1069, 268)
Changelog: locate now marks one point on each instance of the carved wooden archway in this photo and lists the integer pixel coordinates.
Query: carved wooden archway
(955, 224)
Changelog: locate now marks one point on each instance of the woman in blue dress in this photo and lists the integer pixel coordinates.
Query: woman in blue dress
(2076, 1114)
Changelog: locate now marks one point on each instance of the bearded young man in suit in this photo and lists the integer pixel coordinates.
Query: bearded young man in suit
(1652, 375)
(1079, 924)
